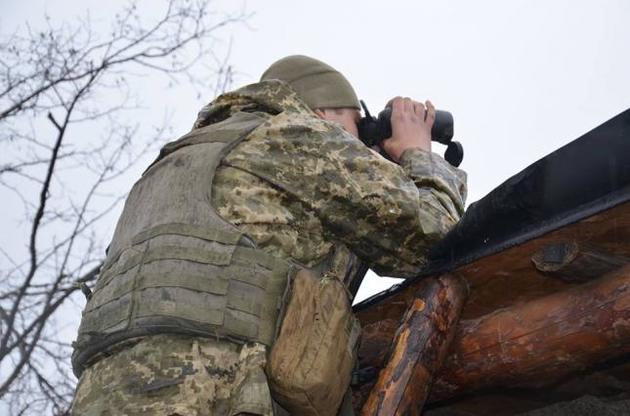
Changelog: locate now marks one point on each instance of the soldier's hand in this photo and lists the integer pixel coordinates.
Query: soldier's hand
(411, 126)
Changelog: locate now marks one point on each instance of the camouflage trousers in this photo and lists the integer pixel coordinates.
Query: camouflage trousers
(170, 375)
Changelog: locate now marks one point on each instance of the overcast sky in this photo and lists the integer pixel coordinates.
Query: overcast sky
(522, 78)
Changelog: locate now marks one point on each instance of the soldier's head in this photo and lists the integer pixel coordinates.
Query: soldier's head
(324, 89)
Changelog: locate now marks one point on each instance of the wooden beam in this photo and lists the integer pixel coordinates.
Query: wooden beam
(419, 348)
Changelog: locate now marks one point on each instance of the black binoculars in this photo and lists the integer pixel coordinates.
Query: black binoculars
(372, 131)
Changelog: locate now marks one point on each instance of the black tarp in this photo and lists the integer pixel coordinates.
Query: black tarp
(587, 176)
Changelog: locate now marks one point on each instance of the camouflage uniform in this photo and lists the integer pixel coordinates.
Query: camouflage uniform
(301, 188)
(301, 184)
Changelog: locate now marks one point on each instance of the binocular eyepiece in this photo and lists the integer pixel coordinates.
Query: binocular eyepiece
(372, 131)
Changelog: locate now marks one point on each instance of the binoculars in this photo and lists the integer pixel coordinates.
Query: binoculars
(372, 131)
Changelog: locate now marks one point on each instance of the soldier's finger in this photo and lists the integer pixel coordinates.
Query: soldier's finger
(391, 102)
(419, 109)
(430, 114)
(396, 104)
(408, 105)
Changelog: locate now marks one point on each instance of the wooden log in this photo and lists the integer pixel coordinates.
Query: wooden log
(542, 341)
(419, 348)
(576, 262)
(529, 344)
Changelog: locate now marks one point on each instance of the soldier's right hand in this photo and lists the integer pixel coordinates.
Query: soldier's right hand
(411, 126)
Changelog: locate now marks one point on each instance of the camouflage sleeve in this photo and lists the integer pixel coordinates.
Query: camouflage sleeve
(430, 171)
(388, 214)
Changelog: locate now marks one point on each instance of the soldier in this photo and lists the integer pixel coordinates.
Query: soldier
(271, 179)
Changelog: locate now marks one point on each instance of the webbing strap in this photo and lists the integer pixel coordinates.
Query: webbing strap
(197, 255)
(153, 305)
(209, 283)
(189, 230)
(260, 257)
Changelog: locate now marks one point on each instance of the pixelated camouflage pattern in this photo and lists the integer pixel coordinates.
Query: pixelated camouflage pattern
(299, 184)
(268, 97)
(172, 375)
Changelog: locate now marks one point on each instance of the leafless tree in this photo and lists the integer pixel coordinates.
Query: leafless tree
(66, 93)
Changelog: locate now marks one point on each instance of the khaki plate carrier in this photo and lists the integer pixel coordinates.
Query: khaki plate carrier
(174, 265)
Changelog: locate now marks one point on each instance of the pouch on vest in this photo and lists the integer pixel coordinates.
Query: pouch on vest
(311, 361)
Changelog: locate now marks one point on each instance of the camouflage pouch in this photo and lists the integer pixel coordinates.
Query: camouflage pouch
(310, 364)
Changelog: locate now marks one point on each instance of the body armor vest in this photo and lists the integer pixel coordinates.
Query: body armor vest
(174, 265)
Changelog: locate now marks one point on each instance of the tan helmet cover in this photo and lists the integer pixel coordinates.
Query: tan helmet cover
(318, 84)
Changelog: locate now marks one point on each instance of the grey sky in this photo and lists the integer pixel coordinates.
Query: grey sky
(522, 78)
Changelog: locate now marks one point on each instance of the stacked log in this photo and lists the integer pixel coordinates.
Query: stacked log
(527, 345)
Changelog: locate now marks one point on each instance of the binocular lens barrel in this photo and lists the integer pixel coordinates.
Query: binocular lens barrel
(442, 130)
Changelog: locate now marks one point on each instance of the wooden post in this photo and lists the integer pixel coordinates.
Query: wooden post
(419, 348)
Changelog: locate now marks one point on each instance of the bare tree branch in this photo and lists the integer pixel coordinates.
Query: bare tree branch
(65, 91)
(43, 196)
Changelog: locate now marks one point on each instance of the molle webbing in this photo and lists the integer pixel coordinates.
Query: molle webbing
(236, 297)
(188, 272)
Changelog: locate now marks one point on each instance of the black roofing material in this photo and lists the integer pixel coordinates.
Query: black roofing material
(587, 176)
